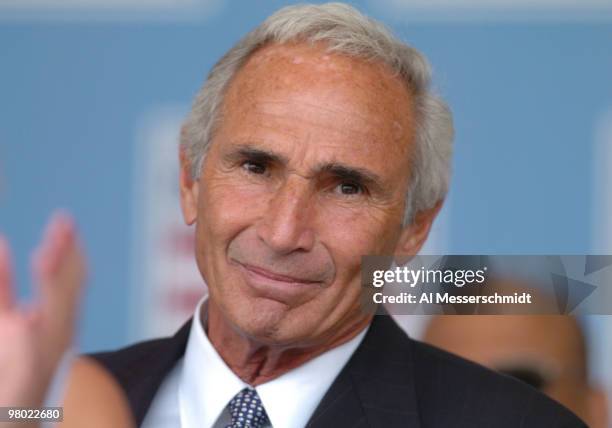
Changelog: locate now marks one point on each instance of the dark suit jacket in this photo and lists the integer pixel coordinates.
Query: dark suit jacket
(390, 381)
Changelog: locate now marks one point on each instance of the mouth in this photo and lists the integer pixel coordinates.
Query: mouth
(276, 276)
(277, 286)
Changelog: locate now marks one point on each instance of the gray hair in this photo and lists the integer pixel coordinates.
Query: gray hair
(345, 31)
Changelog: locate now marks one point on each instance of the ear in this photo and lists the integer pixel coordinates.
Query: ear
(188, 189)
(414, 235)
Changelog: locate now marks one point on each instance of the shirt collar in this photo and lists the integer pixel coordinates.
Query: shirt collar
(291, 399)
(207, 384)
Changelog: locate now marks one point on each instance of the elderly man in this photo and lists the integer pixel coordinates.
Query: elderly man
(314, 141)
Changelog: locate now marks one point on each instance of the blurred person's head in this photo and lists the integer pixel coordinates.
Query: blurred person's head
(315, 140)
(546, 351)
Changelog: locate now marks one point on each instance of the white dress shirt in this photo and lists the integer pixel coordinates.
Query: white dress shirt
(198, 389)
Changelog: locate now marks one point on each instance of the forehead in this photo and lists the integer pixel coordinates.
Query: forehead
(303, 89)
(495, 338)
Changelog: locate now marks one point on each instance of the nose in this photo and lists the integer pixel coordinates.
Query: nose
(286, 224)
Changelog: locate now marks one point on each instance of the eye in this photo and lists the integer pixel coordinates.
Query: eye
(349, 188)
(254, 167)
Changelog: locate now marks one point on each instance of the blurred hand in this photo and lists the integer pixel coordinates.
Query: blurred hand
(34, 338)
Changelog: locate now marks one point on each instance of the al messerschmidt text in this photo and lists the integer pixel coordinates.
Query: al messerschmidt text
(448, 298)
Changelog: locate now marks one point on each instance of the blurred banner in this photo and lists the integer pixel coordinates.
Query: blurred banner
(166, 281)
(109, 10)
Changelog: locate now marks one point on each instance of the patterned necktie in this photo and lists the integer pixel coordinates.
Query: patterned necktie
(247, 410)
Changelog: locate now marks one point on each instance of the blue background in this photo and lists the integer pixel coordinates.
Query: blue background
(526, 96)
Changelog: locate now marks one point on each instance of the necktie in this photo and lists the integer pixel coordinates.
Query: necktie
(247, 411)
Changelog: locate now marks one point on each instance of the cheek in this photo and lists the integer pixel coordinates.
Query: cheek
(226, 206)
(360, 231)
(220, 217)
(349, 235)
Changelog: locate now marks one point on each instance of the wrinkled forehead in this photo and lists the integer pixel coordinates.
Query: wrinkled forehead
(499, 339)
(367, 92)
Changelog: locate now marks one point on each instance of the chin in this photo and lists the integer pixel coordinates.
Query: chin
(259, 318)
(270, 322)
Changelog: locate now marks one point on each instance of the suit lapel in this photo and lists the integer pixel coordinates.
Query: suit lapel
(340, 407)
(141, 378)
(376, 387)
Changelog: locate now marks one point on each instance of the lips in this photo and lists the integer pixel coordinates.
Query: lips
(276, 286)
(276, 276)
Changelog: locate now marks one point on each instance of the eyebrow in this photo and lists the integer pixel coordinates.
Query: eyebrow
(528, 375)
(353, 174)
(246, 151)
(339, 170)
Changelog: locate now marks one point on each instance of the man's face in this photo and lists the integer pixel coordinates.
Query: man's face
(306, 173)
(547, 351)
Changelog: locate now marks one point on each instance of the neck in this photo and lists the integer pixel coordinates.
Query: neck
(256, 362)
